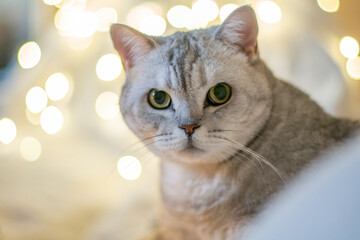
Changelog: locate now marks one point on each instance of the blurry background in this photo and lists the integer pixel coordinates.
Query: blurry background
(69, 167)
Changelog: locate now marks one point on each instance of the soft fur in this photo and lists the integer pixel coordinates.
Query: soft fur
(214, 181)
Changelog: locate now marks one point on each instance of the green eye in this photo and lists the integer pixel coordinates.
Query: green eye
(219, 94)
(159, 99)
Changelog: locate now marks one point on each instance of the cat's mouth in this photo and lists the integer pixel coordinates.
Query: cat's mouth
(190, 147)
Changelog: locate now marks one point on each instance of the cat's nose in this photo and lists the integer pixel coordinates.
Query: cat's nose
(189, 129)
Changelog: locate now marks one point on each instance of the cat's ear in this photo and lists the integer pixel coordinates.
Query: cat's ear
(240, 29)
(130, 44)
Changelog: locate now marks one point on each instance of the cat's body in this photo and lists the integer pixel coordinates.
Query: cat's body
(220, 162)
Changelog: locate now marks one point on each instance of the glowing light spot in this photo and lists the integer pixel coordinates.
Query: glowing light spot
(269, 12)
(353, 68)
(57, 86)
(205, 10)
(106, 16)
(52, 2)
(109, 67)
(129, 168)
(179, 16)
(67, 18)
(153, 25)
(36, 99)
(107, 105)
(86, 25)
(138, 14)
(226, 10)
(51, 120)
(79, 43)
(7, 131)
(29, 55)
(329, 5)
(30, 149)
(349, 47)
(196, 23)
(33, 118)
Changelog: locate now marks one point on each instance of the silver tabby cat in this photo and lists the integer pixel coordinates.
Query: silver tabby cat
(229, 133)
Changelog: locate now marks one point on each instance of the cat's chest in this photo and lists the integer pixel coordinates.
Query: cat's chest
(185, 190)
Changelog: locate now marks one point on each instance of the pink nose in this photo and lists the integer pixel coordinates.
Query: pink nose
(189, 129)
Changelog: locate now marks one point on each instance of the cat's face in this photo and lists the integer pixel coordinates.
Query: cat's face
(192, 96)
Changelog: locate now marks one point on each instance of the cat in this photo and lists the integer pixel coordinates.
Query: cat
(228, 132)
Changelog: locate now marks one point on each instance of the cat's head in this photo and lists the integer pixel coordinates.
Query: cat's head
(195, 96)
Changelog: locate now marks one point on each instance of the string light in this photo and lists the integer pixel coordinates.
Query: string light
(29, 55)
(349, 47)
(226, 10)
(107, 105)
(109, 67)
(7, 131)
(329, 5)
(106, 16)
(30, 149)
(129, 168)
(269, 12)
(36, 99)
(51, 120)
(86, 25)
(179, 16)
(57, 86)
(52, 2)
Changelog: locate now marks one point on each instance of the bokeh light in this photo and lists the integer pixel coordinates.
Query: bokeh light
(57, 86)
(153, 25)
(109, 67)
(79, 43)
(36, 99)
(129, 168)
(349, 47)
(179, 16)
(353, 68)
(7, 131)
(29, 55)
(226, 10)
(52, 2)
(329, 5)
(67, 18)
(139, 13)
(205, 10)
(107, 105)
(86, 25)
(51, 120)
(269, 12)
(30, 149)
(33, 118)
(106, 16)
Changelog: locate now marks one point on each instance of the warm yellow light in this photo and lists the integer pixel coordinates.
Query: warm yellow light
(107, 105)
(106, 16)
(226, 10)
(30, 149)
(109, 67)
(329, 5)
(205, 10)
(51, 120)
(179, 16)
(129, 168)
(52, 2)
(269, 12)
(29, 55)
(36, 99)
(33, 118)
(7, 131)
(353, 68)
(349, 47)
(153, 25)
(86, 25)
(67, 18)
(57, 86)
(79, 43)
(139, 13)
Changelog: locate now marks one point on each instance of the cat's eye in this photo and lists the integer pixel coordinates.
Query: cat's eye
(159, 99)
(219, 94)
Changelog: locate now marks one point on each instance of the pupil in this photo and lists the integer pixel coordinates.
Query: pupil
(159, 97)
(220, 92)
